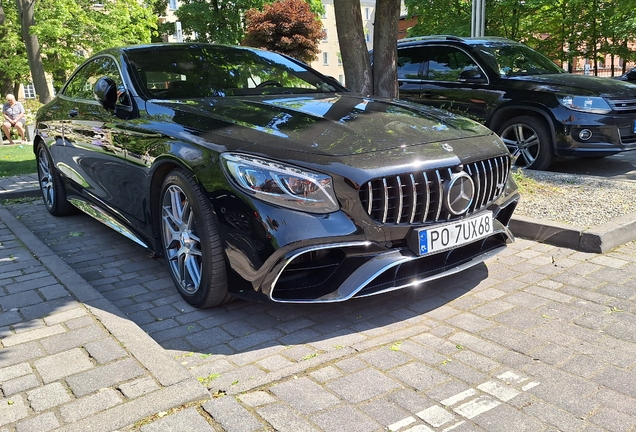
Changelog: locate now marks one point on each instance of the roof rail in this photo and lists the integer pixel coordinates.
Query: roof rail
(432, 37)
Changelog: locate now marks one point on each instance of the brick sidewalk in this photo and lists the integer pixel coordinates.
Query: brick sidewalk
(67, 359)
(539, 339)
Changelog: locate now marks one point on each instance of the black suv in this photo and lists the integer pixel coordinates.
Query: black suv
(539, 110)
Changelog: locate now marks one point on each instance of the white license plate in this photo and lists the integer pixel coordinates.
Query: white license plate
(454, 234)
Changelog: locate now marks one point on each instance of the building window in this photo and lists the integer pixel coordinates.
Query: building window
(367, 14)
(367, 36)
(324, 39)
(341, 79)
(325, 59)
(339, 59)
(324, 12)
(172, 5)
(29, 91)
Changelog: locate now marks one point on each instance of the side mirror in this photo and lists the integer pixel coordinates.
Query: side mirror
(106, 92)
(631, 75)
(472, 76)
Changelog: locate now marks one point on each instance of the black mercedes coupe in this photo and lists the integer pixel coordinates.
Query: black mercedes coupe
(258, 177)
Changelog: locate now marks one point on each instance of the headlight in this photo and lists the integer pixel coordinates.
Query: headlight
(596, 105)
(282, 184)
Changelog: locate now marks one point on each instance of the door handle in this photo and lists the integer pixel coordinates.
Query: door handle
(427, 95)
(73, 113)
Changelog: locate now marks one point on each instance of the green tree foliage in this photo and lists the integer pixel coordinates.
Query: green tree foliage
(285, 26)
(220, 21)
(450, 17)
(69, 30)
(14, 67)
(561, 29)
(215, 20)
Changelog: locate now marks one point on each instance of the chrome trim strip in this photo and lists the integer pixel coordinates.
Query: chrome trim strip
(386, 200)
(414, 199)
(370, 205)
(440, 198)
(99, 215)
(486, 187)
(427, 197)
(493, 185)
(400, 200)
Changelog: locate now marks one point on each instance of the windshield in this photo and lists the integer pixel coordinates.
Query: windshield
(198, 71)
(513, 60)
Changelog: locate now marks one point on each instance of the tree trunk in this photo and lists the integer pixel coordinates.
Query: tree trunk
(355, 58)
(27, 19)
(387, 17)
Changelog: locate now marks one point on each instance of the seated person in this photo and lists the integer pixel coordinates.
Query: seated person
(14, 116)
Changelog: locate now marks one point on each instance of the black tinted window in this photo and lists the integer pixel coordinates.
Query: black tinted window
(511, 59)
(83, 82)
(209, 71)
(448, 63)
(409, 63)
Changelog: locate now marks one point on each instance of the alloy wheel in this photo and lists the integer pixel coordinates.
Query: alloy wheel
(181, 243)
(46, 178)
(523, 143)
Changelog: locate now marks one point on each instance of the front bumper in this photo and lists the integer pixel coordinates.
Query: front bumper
(583, 134)
(291, 257)
(349, 270)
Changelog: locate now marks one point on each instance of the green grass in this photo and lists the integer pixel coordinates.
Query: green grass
(16, 160)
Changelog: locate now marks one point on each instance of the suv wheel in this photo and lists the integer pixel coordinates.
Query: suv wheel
(528, 140)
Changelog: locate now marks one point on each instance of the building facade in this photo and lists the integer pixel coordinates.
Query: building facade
(329, 60)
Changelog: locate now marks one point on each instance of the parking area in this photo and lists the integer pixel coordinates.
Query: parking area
(538, 338)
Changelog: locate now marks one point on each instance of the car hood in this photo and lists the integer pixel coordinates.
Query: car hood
(325, 124)
(573, 84)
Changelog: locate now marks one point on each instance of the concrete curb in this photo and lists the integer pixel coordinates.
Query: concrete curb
(598, 239)
(23, 193)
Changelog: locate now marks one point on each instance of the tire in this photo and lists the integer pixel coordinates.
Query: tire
(191, 243)
(527, 138)
(51, 186)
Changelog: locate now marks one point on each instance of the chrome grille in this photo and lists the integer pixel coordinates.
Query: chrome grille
(622, 104)
(415, 198)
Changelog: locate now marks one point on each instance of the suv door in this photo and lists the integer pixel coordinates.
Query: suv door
(410, 71)
(455, 82)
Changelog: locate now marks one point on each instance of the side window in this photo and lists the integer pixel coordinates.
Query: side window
(76, 88)
(82, 84)
(448, 64)
(410, 62)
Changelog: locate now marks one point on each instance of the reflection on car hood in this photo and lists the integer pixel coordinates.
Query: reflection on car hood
(583, 85)
(328, 124)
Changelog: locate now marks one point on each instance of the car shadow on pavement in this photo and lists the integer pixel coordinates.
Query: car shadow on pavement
(242, 344)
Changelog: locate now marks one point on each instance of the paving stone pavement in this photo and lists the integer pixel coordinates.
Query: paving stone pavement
(540, 338)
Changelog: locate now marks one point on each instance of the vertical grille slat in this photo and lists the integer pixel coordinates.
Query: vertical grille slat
(440, 193)
(386, 200)
(415, 198)
(427, 198)
(398, 218)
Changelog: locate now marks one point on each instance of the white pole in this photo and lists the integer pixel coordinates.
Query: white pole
(478, 18)
(179, 32)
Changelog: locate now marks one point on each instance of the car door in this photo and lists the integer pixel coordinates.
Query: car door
(410, 63)
(455, 82)
(90, 155)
